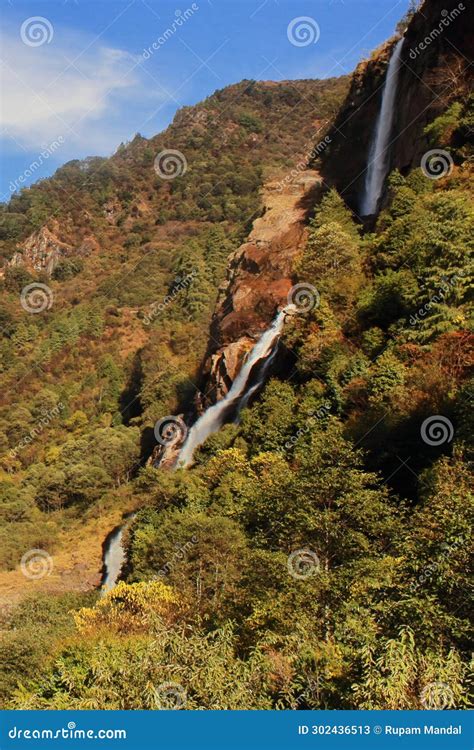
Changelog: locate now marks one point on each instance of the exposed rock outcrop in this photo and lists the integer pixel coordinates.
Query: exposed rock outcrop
(259, 278)
(41, 251)
(226, 363)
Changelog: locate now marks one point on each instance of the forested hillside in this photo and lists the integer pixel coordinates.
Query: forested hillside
(317, 553)
(115, 338)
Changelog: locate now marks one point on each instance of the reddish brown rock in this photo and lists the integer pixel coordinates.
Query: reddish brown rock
(260, 275)
(226, 363)
(41, 251)
(260, 271)
(430, 74)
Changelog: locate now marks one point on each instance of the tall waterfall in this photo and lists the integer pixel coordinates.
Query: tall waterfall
(379, 156)
(238, 396)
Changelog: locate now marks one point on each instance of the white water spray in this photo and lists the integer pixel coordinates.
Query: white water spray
(114, 557)
(379, 156)
(213, 418)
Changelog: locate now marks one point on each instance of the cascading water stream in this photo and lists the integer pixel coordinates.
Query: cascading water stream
(379, 156)
(213, 418)
(114, 556)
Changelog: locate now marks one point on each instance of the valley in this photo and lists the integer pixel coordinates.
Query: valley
(240, 396)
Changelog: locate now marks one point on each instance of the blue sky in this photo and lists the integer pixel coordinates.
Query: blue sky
(76, 82)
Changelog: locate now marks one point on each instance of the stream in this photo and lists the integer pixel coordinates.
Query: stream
(239, 394)
(114, 555)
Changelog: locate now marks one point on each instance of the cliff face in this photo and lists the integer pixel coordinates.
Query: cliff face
(435, 63)
(43, 250)
(259, 278)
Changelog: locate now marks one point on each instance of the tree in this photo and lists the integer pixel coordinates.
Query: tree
(201, 557)
(332, 209)
(331, 261)
(397, 675)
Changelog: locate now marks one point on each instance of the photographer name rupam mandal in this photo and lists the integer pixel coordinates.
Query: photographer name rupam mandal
(388, 729)
(425, 729)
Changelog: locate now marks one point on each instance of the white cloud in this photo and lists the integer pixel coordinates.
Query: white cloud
(92, 95)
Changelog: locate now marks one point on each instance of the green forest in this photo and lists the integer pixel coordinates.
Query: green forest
(317, 554)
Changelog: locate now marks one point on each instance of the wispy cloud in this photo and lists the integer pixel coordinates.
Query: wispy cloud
(91, 94)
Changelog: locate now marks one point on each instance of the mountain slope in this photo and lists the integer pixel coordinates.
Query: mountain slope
(317, 554)
(126, 266)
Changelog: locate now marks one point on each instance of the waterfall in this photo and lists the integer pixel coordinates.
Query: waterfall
(379, 156)
(213, 418)
(114, 556)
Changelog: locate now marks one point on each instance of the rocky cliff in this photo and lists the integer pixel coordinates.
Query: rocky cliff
(259, 278)
(436, 59)
(435, 66)
(43, 250)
